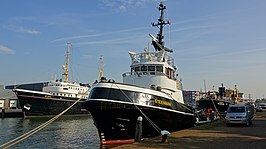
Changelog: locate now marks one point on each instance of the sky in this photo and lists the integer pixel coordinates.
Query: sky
(216, 41)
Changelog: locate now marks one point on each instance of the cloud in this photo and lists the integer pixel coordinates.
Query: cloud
(99, 34)
(192, 28)
(89, 56)
(124, 5)
(21, 29)
(6, 50)
(27, 31)
(121, 40)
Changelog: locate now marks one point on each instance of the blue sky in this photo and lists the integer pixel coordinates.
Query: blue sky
(216, 41)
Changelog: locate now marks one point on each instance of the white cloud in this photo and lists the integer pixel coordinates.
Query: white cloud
(123, 5)
(21, 29)
(100, 34)
(6, 50)
(27, 31)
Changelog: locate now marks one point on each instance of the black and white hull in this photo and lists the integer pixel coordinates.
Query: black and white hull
(149, 90)
(116, 107)
(34, 103)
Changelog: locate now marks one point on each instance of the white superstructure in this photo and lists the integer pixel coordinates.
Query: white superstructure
(154, 70)
(66, 88)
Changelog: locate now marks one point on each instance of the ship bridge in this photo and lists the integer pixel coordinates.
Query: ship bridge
(152, 69)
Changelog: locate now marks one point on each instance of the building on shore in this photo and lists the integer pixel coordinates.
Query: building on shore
(8, 99)
(190, 97)
(27, 86)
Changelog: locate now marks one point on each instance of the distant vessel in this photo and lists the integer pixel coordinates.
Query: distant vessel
(55, 96)
(149, 90)
(217, 101)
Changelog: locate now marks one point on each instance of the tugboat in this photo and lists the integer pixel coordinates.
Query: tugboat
(55, 97)
(150, 92)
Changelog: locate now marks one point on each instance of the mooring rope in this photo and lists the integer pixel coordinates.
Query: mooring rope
(217, 110)
(35, 130)
(157, 128)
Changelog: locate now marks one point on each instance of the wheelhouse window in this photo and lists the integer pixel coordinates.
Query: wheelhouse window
(137, 69)
(151, 68)
(159, 68)
(144, 68)
(169, 73)
(132, 70)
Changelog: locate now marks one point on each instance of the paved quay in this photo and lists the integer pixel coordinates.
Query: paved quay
(211, 136)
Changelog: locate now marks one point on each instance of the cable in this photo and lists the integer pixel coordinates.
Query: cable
(158, 129)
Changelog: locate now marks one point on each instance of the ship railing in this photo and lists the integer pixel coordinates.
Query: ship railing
(146, 73)
(153, 57)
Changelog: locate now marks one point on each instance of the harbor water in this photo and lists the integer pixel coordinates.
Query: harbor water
(75, 131)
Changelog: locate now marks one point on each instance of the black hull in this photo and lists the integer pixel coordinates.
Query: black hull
(117, 121)
(34, 105)
(220, 105)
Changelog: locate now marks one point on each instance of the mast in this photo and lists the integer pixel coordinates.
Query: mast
(160, 24)
(101, 67)
(67, 62)
(205, 87)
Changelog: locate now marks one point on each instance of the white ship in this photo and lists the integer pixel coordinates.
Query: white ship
(55, 97)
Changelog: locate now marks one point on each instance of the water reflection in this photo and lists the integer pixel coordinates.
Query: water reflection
(66, 132)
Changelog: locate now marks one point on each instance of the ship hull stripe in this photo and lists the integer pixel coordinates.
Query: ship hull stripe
(45, 98)
(130, 103)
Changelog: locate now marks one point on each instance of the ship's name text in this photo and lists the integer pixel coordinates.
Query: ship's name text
(161, 102)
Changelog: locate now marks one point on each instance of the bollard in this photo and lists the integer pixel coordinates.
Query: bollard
(197, 120)
(164, 134)
(138, 132)
(3, 113)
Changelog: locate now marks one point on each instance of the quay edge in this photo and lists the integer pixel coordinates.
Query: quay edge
(211, 135)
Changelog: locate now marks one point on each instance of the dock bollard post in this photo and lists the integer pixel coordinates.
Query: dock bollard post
(3, 113)
(164, 134)
(138, 132)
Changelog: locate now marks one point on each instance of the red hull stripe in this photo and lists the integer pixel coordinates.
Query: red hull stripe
(116, 142)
